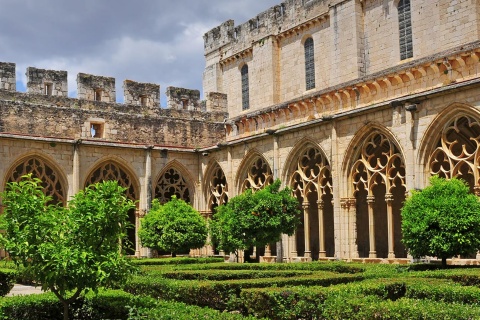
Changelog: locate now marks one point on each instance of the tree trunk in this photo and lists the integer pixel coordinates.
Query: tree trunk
(65, 310)
(444, 263)
(174, 254)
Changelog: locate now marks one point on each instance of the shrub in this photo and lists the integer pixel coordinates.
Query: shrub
(7, 280)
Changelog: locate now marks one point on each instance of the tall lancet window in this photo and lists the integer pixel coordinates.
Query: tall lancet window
(245, 88)
(405, 29)
(309, 64)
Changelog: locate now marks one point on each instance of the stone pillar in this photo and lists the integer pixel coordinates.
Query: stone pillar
(145, 202)
(76, 168)
(371, 225)
(293, 243)
(391, 235)
(321, 230)
(308, 253)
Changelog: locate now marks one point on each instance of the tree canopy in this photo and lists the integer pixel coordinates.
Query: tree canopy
(173, 227)
(67, 250)
(442, 220)
(255, 218)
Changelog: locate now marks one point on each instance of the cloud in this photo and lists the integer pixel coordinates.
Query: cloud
(143, 40)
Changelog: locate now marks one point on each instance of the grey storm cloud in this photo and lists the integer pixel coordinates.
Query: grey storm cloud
(143, 40)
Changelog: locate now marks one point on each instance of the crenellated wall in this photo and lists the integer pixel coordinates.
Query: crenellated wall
(46, 111)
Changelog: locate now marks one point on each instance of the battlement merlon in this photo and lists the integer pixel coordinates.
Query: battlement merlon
(183, 99)
(95, 88)
(141, 94)
(48, 82)
(272, 21)
(8, 77)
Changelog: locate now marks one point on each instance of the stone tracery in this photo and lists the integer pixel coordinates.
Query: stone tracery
(378, 177)
(312, 177)
(51, 183)
(258, 176)
(172, 183)
(111, 171)
(218, 189)
(457, 153)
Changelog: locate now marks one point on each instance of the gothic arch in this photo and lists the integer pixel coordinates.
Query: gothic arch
(174, 179)
(108, 169)
(376, 180)
(254, 172)
(43, 167)
(215, 186)
(309, 176)
(353, 150)
(452, 146)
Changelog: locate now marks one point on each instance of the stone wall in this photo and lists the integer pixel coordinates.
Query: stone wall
(47, 82)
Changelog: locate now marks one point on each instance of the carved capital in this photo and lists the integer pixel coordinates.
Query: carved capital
(370, 200)
(389, 197)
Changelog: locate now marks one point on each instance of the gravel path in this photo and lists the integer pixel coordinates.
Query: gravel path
(20, 289)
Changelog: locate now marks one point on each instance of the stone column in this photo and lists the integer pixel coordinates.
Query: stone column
(371, 227)
(348, 206)
(293, 243)
(308, 253)
(321, 229)
(76, 168)
(390, 223)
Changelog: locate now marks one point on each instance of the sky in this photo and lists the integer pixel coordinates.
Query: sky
(154, 41)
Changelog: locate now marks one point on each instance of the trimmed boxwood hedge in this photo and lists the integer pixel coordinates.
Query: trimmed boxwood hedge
(108, 304)
(218, 294)
(7, 280)
(176, 261)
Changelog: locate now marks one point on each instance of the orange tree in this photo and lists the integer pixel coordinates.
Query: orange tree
(442, 220)
(255, 218)
(71, 250)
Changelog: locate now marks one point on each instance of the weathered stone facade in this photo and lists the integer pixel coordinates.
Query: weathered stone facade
(350, 103)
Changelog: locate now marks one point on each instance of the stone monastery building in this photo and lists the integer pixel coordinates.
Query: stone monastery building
(352, 103)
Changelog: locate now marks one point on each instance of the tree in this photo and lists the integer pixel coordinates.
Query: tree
(442, 220)
(173, 227)
(255, 219)
(71, 250)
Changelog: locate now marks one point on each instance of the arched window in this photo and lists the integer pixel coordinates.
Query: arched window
(309, 64)
(245, 88)
(405, 29)
(172, 183)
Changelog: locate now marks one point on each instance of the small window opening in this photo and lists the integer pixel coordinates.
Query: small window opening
(98, 95)
(96, 130)
(282, 9)
(143, 101)
(48, 89)
(185, 104)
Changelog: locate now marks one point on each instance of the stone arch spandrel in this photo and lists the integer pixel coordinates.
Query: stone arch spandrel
(45, 168)
(174, 179)
(254, 171)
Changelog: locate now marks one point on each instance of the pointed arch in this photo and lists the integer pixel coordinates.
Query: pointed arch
(453, 148)
(254, 172)
(43, 167)
(174, 179)
(215, 187)
(375, 168)
(113, 168)
(309, 176)
(357, 147)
